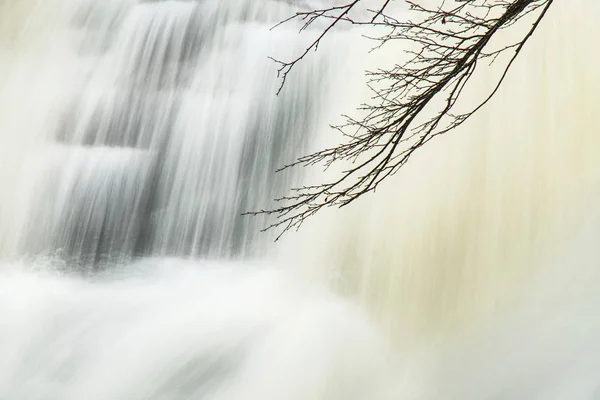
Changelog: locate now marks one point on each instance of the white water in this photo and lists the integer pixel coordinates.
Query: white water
(179, 330)
(135, 131)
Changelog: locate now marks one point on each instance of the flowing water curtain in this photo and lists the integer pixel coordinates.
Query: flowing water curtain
(234, 134)
(172, 132)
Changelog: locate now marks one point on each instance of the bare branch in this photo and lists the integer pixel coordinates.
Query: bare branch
(412, 102)
(309, 18)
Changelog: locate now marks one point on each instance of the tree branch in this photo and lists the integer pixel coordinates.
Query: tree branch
(449, 42)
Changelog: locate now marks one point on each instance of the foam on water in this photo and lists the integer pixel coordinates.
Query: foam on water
(168, 329)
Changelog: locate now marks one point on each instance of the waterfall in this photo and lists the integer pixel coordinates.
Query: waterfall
(169, 132)
(134, 134)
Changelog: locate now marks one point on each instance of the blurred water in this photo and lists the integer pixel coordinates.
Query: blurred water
(168, 329)
(134, 133)
(165, 129)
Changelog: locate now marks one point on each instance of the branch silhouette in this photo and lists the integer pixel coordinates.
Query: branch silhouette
(450, 44)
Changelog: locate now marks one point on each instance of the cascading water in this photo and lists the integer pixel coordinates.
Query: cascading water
(172, 133)
(134, 133)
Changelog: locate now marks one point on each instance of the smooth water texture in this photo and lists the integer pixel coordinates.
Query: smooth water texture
(133, 134)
